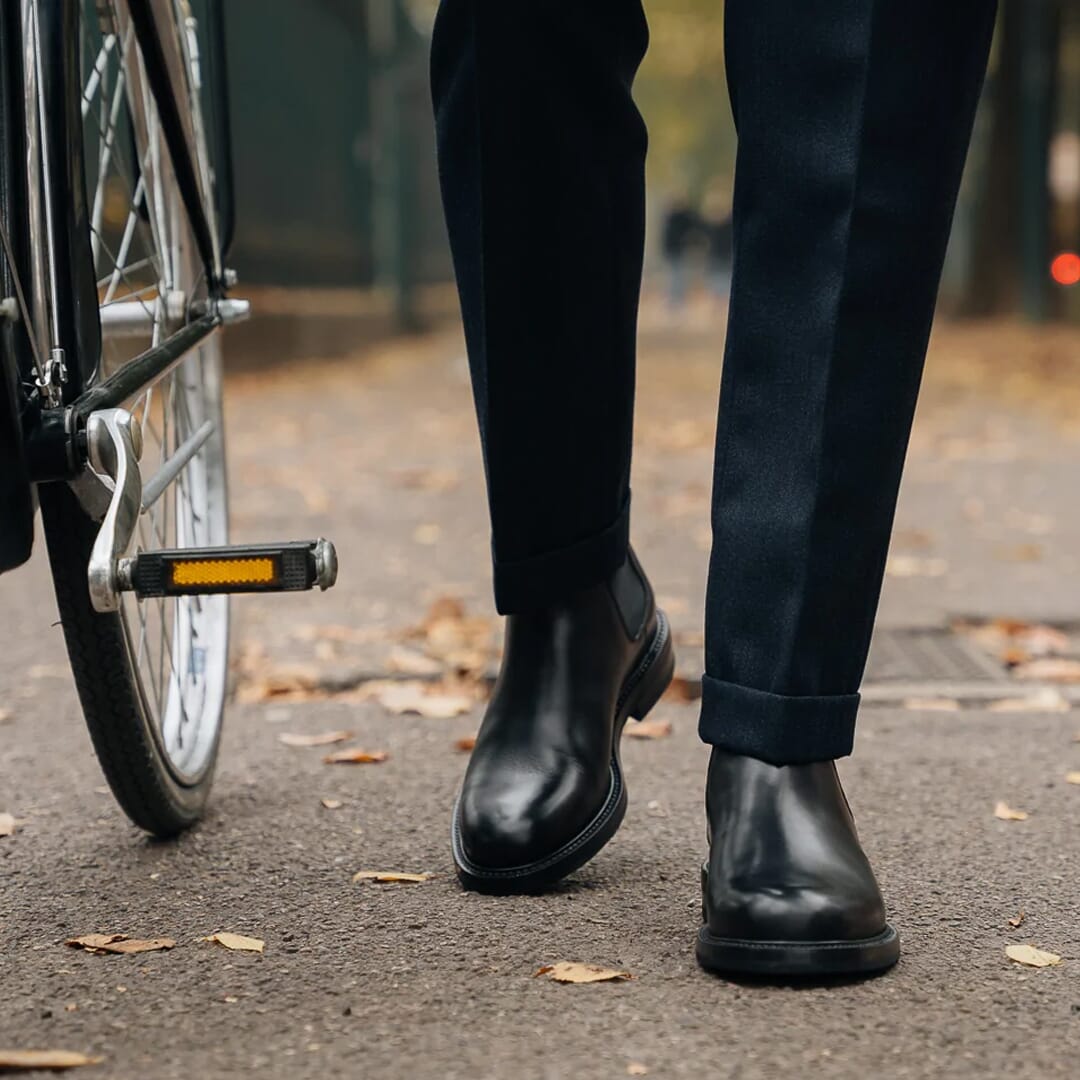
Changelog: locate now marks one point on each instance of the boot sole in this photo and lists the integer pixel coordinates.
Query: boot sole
(643, 688)
(798, 959)
(795, 959)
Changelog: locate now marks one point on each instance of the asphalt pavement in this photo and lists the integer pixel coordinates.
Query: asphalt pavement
(421, 980)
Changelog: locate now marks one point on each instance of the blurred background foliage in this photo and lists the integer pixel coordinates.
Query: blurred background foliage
(335, 162)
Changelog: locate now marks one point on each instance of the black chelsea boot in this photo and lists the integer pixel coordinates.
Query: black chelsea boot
(544, 789)
(787, 890)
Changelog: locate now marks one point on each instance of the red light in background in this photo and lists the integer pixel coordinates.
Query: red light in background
(1065, 269)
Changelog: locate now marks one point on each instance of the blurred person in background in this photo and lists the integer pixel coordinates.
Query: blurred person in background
(853, 121)
(718, 230)
(680, 231)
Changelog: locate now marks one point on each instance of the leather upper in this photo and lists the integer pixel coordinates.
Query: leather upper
(785, 863)
(540, 769)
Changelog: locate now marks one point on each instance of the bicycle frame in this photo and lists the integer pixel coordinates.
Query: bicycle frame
(43, 441)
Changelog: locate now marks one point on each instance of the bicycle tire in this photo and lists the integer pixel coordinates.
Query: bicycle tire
(126, 731)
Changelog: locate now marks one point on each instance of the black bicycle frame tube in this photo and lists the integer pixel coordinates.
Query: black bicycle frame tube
(145, 369)
(158, 49)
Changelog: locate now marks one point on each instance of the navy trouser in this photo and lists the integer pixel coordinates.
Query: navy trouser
(853, 120)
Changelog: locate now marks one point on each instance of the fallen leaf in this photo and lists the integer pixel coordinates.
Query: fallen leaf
(332, 804)
(430, 700)
(908, 566)
(1072, 778)
(324, 739)
(466, 744)
(356, 757)
(1059, 669)
(7, 824)
(236, 942)
(6, 715)
(459, 642)
(119, 943)
(283, 684)
(1015, 641)
(635, 1068)
(391, 876)
(565, 972)
(1017, 920)
(683, 690)
(1020, 553)
(44, 1059)
(427, 479)
(913, 539)
(410, 662)
(1005, 812)
(1047, 699)
(1031, 957)
(344, 635)
(932, 704)
(649, 729)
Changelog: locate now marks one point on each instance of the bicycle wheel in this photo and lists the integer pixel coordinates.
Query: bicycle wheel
(151, 677)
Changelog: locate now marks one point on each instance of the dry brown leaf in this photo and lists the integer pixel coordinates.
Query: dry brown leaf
(25, 1060)
(932, 704)
(1020, 552)
(236, 942)
(427, 479)
(410, 662)
(1005, 812)
(391, 877)
(119, 943)
(683, 690)
(430, 700)
(342, 635)
(466, 744)
(8, 824)
(1017, 920)
(282, 684)
(1072, 778)
(332, 804)
(460, 642)
(1015, 641)
(635, 1068)
(6, 716)
(1060, 669)
(914, 566)
(356, 757)
(649, 729)
(326, 738)
(1046, 699)
(1031, 957)
(566, 972)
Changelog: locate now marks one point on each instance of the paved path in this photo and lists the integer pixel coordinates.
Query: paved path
(424, 981)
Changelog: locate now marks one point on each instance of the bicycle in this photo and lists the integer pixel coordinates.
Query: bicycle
(116, 212)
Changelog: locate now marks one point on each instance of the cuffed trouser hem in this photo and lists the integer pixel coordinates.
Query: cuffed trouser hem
(775, 728)
(531, 583)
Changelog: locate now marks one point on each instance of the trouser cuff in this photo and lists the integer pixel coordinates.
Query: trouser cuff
(775, 728)
(538, 581)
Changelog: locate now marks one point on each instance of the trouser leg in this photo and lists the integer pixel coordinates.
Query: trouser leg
(541, 161)
(853, 118)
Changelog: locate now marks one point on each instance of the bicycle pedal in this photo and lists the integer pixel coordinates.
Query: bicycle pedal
(241, 568)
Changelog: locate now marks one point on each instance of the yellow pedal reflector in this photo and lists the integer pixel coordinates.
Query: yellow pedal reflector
(217, 572)
(236, 568)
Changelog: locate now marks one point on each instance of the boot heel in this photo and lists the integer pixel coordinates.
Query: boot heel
(654, 675)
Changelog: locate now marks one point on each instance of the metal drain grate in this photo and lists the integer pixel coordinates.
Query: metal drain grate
(929, 656)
